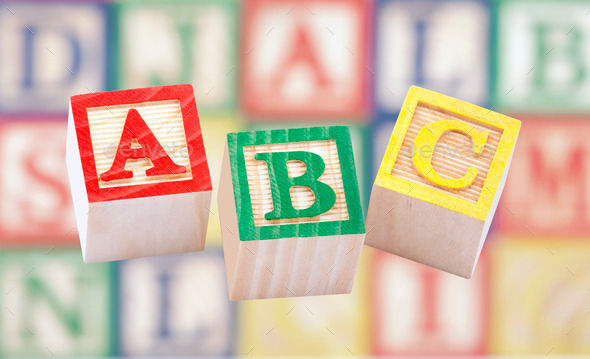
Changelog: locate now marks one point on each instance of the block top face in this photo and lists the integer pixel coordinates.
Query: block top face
(448, 152)
(295, 183)
(140, 143)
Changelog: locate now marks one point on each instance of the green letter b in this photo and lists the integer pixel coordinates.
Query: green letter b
(281, 183)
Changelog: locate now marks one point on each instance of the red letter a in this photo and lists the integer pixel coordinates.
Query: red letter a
(135, 127)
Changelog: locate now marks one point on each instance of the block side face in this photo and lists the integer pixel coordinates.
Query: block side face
(471, 176)
(296, 267)
(228, 219)
(423, 232)
(186, 215)
(257, 183)
(140, 131)
(77, 183)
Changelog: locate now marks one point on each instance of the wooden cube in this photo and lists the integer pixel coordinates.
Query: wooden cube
(35, 203)
(540, 297)
(55, 305)
(313, 63)
(290, 211)
(138, 173)
(440, 181)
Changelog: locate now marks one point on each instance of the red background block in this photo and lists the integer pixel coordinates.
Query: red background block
(35, 201)
(322, 68)
(419, 310)
(547, 190)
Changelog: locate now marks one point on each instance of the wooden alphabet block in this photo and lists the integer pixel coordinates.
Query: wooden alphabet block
(57, 49)
(418, 310)
(55, 305)
(548, 185)
(418, 30)
(313, 62)
(180, 41)
(175, 306)
(541, 59)
(290, 211)
(35, 203)
(440, 181)
(540, 297)
(138, 172)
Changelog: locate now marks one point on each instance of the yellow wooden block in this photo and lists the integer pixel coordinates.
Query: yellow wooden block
(216, 128)
(309, 326)
(440, 181)
(540, 297)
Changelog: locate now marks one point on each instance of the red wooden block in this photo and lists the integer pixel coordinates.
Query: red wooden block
(35, 204)
(419, 310)
(305, 59)
(138, 172)
(548, 187)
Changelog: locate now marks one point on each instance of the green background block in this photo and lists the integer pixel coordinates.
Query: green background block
(542, 51)
(166, 42)
(54, 304)
(341, 134)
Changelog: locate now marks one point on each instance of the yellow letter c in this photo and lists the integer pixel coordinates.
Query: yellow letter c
(429, 136)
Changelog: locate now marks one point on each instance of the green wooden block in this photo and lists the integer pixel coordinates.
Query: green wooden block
(542, 59)
(292, 196)
(167, 42)
(54, 304)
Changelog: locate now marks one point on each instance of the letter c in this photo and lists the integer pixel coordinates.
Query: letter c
(429, 136)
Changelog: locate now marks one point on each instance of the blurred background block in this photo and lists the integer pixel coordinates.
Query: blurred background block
(440, 45)
(418, 310)
(540, 296)
(180, 41)
(54, 304)
(305, 59)
(548, 188)
(175, 306)
(543, 56)
(335, 325)
(35, 200)
(51, 51)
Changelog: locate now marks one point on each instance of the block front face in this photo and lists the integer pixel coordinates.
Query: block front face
(422, 311)
(56, 305)
(312, 62)
(140, 143)
(175, 305)
(164, 42)
(35, 201)
(449, 153)
(418, 42)
(548, 185)
(295, 183)
(545, 67)
(540, 297)
(56, 50)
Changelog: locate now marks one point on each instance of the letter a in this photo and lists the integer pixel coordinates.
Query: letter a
(281, 183)
(136, 128)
